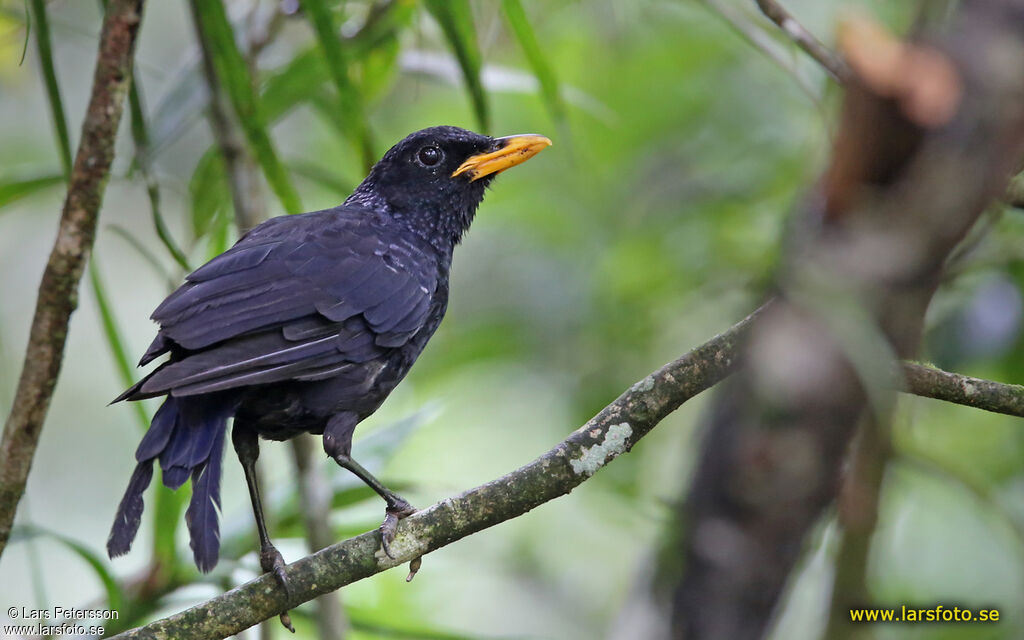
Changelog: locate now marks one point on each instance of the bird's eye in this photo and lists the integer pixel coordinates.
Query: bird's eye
(429, 156)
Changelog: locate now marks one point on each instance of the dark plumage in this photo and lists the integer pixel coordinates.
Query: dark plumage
(306, 325)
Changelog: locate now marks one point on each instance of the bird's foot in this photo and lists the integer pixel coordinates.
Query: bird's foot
(398, 508)
(271, 561)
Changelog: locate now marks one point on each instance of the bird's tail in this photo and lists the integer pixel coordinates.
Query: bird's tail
(187, 437)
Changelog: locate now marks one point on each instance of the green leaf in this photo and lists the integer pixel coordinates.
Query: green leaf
(45, 49)
(380, 66)
(456, 21)
(181, 107)
(28, 34)
(233, 73)
(114, 339)
(114, 594)
(17, 189)
(285, 87)
(144, 252)
(220, 237)
(140, 136)
(523, 31)
(349, 99)
(293, 83)
(208, 192)
(369, 624)
(386, 22)
(322, 176)
(167, 511)
(327, 106)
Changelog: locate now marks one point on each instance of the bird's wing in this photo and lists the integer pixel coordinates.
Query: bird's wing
(298, 300)
(271, 356)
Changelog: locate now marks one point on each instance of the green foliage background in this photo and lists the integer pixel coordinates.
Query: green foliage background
(653, 223)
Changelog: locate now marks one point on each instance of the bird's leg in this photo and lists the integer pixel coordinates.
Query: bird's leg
(247, 447)
(397, 506)
(338, 445)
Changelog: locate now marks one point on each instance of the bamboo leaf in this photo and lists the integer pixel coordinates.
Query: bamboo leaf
(369, 622)
(17, 189)
(140, 136)
(322, 176)
(179, 109)
(294, 83)
(144, 252)
(208, 191)
(285, 87)
(456, 21)
(114, 594)
(113, 334)
(233, 73)
(45, 49)
(167, 511)
(350, 101)
(220, 237)
(500, 79)
(523, 31)
(379, 68)
(28, 34)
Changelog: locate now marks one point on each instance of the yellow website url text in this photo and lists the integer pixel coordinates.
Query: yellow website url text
(937, 613)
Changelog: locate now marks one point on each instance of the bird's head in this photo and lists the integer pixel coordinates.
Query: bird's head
(434, 179)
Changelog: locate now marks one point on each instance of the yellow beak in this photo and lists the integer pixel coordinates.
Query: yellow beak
(515, 150)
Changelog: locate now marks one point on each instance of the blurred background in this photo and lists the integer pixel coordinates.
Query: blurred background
(684, 133)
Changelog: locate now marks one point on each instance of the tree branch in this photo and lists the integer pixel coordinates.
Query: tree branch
(611, 432)
(804, 39)
(857, 514)
(756, 36)
(58, 291)
(960, 389)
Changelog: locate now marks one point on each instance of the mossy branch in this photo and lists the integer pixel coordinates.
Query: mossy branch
(611, 432)
(960, 389)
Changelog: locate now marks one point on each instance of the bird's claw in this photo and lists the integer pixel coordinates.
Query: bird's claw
(414, 567)
(286, 621)
(396, 510)
(271, 561)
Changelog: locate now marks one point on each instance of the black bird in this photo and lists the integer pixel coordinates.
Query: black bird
(306, 325)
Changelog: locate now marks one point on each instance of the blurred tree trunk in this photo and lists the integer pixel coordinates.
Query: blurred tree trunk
(930, 134)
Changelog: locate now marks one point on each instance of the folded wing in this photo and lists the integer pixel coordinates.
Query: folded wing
(299, 298)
